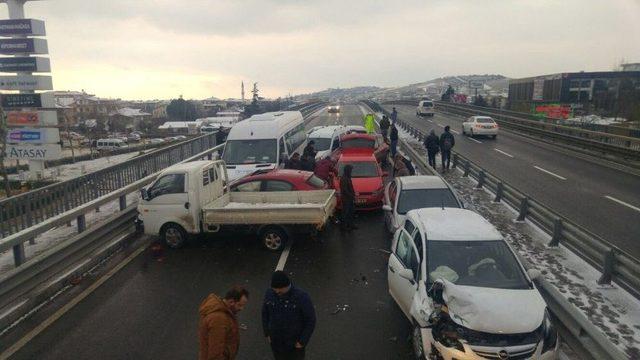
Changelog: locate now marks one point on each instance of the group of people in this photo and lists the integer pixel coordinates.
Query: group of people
(306, 162)
(443, 145)
(288, 321)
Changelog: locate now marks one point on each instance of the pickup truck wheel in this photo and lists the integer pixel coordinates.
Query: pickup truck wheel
(273, 238)
(173, 235)
(416, 339)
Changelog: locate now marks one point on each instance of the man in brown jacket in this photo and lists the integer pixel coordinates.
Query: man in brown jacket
(218, 328)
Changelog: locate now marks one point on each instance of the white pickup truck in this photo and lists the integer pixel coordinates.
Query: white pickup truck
(192, 198)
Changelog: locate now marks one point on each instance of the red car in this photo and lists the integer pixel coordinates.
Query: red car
(373, 143)
(279, 180)
(367, 178)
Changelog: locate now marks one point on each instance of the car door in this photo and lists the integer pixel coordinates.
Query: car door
(403, 257)
(167, 200)
(390, 199)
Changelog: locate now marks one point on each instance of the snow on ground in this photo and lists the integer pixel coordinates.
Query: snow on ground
(614, 311)
(69, 171)
(54, 236)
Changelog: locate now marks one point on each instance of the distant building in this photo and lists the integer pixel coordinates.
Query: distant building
(181, 127)
(77, 106)
(631, 67)
(127, 119)
(566, 95)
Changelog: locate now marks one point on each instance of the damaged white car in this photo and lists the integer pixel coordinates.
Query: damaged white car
(464, 291)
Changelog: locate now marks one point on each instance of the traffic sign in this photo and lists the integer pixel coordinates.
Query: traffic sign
(22, 27)
(34, 152)
(33, 136)
(23, 46)
(26, 64)
(26, 82)
(15, 101)
(32, 118)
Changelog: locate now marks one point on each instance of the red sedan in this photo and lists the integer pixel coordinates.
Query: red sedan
(373, 143)
(367, 178)
(279, 180)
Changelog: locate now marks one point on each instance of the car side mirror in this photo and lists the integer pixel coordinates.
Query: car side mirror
(406, 274)
(534, 274)
(386, 208)
(144, 194)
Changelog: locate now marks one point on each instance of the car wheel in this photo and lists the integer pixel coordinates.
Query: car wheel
(463, 132)
(273, 238)
(173, 235)
(416, 340)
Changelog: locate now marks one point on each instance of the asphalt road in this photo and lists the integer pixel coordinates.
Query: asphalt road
(601, 199)
(149, 310)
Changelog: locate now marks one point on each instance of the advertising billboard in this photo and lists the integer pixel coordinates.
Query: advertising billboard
(26, 64)
(23, 46)
(22, 27)
(553, 111)
(26, 82)
(33, 136)
(32, 118)
(34, 152)
(28, 101)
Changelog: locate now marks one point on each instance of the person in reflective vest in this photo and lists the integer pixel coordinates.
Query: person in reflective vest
(370, 123)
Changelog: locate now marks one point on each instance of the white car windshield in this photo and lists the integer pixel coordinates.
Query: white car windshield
(321, 144)
(489, 264)
(425, 198)
(250, 151)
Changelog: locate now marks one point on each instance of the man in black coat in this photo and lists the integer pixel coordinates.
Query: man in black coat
(393, 137)
(447, 142)
(384, 126)
(288, 318)
(432, 144)
(348, 198)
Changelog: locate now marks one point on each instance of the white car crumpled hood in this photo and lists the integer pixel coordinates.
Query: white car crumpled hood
(496, 311)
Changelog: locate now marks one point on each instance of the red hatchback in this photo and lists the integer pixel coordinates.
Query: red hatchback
(372, 143)
(367, 178)
(279, 180)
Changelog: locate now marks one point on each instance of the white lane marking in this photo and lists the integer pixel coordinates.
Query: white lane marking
(472, 139)
(441, 125)
(454, 131)
(429, 120)
(550, 173)
(284, 256)
(68, 306)
(503, 153)
(622, 203)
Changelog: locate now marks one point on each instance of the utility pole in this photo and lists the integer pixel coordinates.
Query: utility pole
(242, 91)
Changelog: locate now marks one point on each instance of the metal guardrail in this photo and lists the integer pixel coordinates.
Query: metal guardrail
(574, 327)
(622, 146)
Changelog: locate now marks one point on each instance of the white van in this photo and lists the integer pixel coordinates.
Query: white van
(326, 139)
(425, 107)
(110, 144)
(263, 141)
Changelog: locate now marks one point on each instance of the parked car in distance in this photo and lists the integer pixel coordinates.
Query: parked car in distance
(133, 137)
(374, 144)
(156, 141)
(464, 290)
(110, 144)
(407, 193)
(425, 107)
(480, 125)
(279, 180)
(181, 137)
(367, 178)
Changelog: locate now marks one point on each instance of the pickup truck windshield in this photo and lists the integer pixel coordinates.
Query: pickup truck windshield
(425, 198)
(489, 264)
(361, 169)
(238, 152)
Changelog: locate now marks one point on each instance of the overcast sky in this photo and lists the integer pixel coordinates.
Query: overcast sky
(146, 49)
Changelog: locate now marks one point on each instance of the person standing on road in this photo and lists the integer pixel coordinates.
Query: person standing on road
(370, 123)
(394, 115)
(309, 150)
(399, 167)
(288, 318)
(218, 327)
(294, 162)
(384, 126)
(447, 142)
(394, 140)
(348, 198)
(432, 144)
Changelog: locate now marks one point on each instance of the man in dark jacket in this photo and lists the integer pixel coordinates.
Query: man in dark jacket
(309, 150)
(394, 140)
(348, 198)
(447, 142)
(432, 144)
(294, 162)
(324, 168)
(288, 318)
(384, 126)
(394, 115)
(218, 327)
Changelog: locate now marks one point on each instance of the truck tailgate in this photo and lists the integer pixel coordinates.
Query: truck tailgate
(277, 207)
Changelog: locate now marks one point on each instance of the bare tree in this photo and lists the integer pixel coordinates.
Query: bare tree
(66, 125)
